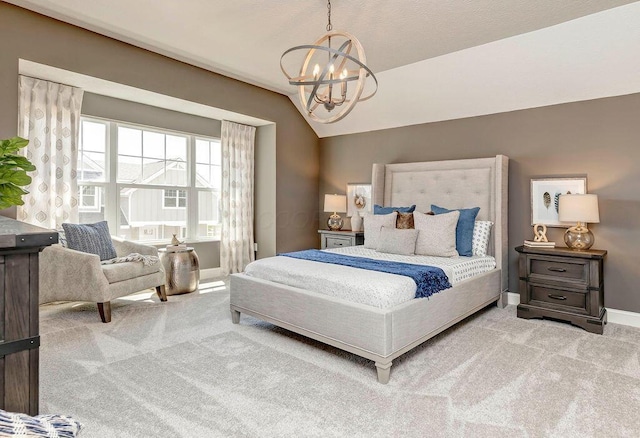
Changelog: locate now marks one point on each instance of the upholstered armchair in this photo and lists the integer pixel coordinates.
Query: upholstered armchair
(70, 275)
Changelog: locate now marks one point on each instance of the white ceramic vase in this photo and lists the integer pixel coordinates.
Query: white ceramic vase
(356, 222)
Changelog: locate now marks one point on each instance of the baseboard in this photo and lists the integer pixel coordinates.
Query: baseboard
(614, 316)
(623, 317)
(210, 273)
(513, 298)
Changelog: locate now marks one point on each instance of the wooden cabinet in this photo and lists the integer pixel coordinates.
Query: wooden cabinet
(563, 284)
(336, 239)
(20, 245)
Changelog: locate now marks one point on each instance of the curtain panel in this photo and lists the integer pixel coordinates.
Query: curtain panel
(237, 241)
(49, 117)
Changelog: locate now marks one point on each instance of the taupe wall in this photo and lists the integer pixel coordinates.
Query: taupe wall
(599, 139)
(27, 35)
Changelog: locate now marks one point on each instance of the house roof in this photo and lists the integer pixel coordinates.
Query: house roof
(434, 60)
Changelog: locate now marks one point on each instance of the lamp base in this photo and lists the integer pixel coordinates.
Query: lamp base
(335, 222)
(579, 238)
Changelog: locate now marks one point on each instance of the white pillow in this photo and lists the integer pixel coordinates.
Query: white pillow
(397, 241)
(372, 225)
(437, 235)
(481, 234)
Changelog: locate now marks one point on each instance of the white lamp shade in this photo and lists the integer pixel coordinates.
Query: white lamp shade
(335, 203)
(579, 208)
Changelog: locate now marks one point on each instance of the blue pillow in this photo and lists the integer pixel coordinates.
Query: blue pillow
(91, 238)
(378, 209)
(464, 230)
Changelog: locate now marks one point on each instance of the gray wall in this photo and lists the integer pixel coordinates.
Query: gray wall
(27, 35)
(598, 139)
(127, 111)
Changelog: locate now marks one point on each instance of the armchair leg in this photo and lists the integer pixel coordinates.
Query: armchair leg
(162, 292)
(105, 311)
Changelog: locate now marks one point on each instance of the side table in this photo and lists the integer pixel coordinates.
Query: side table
(336, 239)
(563, 284)
(182, 270)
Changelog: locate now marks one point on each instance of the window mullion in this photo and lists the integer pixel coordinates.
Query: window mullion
(192, 194)
(111, 201)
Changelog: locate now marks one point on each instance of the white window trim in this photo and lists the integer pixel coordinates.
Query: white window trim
(111, 188)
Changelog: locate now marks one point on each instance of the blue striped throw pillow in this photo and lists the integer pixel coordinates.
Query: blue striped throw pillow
(91, 238)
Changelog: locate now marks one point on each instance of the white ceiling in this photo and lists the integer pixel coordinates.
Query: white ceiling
(402, 39)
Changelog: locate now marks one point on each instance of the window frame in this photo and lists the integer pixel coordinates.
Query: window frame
(177, 198)
(111, 188)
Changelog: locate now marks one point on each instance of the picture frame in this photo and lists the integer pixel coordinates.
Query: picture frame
(544, 198)
(358, 199)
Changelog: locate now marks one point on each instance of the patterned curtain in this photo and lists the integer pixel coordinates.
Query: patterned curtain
(236, 245)
(49, 116)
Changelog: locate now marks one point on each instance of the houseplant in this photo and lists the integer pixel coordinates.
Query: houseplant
(13, 172)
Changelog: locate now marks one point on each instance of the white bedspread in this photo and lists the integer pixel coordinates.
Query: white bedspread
(372, 288)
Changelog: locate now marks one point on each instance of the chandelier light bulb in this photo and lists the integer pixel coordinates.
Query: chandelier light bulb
(316, 71)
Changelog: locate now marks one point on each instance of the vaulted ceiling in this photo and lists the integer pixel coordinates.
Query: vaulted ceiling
(435, 60)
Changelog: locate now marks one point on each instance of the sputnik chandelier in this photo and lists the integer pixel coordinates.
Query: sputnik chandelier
(337, 79)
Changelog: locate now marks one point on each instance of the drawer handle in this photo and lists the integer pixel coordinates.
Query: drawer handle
(557, 297)
(557, 269)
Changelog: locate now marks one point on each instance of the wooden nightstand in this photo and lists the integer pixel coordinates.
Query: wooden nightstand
(336, 239)
(562, 284)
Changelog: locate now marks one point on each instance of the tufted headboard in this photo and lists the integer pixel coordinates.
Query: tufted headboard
(481, 182)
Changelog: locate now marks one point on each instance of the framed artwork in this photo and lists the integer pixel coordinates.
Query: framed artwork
(358, 199)
(544, 198)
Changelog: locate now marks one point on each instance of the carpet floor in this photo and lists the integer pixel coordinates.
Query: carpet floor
(182, 369)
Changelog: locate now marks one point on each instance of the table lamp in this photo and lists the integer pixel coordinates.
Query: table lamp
(335, 204)
(582, 209)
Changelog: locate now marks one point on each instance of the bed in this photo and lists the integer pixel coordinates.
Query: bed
(383, 334)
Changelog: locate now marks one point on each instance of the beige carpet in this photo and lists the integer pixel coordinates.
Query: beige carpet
(182, 369)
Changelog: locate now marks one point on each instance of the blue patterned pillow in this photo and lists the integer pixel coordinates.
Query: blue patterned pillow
(464, 230)
(91, 238)
(12, 424)
(378, 209)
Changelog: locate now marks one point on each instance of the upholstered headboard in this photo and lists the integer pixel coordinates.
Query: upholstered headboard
(481, 182)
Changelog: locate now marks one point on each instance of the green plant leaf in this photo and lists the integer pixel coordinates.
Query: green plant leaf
(22, 163)
(13, 172)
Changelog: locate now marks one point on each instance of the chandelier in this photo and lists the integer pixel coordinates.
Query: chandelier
(333, 75)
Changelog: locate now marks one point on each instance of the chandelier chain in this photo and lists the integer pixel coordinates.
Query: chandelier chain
(329, 26)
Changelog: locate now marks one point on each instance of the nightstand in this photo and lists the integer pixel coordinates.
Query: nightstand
(337, 239)
(562, 284)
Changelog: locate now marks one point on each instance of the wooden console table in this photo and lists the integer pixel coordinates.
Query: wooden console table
(20, 244)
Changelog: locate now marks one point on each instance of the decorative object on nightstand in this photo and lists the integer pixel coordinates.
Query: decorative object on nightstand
(337, 239)
(582, 209)
(336, 204)
(356, 222)
(562, 284)
(540, 238)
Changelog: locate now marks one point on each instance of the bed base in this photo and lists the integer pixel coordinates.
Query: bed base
(380, 335)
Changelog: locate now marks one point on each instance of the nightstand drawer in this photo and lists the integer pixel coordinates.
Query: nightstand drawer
(559, 298)
(559, 269)
(337, 242)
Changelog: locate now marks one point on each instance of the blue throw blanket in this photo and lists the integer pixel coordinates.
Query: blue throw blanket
(429, 279)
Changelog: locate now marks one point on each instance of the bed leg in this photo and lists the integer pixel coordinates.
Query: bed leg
(384, 371)
(503, 300)
(235, 316)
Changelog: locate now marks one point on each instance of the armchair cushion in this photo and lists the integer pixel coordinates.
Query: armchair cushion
(90, 238)
(126, 271)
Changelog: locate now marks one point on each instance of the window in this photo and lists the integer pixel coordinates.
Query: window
(174, 198)
(89, 198)
(149, 183)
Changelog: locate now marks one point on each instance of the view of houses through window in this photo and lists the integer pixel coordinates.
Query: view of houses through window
(149, 183)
